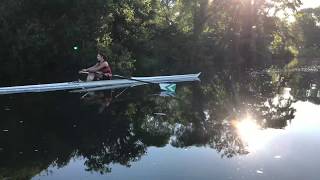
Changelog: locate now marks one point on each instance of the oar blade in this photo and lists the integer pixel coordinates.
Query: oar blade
(169, 87)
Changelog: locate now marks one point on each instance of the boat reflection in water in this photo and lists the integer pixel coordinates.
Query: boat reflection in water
(101, 98)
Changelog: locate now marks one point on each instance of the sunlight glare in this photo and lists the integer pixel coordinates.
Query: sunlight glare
(252, 135)
(289, 14)
(310, 4)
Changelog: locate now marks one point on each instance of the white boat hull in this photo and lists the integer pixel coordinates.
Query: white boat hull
(105, 84)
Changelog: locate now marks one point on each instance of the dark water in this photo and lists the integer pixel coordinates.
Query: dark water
(255, 125)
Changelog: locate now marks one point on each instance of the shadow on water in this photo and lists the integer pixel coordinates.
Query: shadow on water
(42, 130)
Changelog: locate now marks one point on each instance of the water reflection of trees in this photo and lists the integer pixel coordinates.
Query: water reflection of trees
(64, 127)
(56, 134)
(226, 99)
(306, 86)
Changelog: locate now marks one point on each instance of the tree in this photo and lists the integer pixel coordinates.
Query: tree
(308, 28)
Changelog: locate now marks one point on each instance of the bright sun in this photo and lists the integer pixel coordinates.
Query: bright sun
(310, 3)
(252, 135)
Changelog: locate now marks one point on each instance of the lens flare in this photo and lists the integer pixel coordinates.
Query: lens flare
(252, 134)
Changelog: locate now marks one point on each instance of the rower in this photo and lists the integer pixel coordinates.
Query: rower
(100, 71)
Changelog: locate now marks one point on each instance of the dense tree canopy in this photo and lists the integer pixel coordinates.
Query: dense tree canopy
(307, 28)
(144, 36)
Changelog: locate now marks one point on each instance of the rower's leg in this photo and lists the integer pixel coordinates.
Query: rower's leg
(90, 77)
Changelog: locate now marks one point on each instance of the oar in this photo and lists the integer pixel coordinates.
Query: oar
(87, 72)
(121, 77)
(169, 87)
(128, 78)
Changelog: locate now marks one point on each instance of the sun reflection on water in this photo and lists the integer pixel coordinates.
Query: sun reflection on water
(252, 135)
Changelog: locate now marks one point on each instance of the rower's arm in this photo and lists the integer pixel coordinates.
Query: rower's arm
(97, 67)
(92, 68)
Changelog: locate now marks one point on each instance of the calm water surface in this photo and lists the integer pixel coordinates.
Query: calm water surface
(230, 126)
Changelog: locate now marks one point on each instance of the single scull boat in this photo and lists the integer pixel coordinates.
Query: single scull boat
(105, 84)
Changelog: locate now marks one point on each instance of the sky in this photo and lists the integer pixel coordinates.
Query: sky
(305, 4)
(310, 3)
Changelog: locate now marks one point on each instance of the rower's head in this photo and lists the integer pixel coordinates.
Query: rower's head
(101, 57)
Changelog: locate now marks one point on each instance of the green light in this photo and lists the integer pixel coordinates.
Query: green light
(75, 48)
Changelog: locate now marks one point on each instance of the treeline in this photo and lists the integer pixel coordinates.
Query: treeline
(50, 40)
(308, 29)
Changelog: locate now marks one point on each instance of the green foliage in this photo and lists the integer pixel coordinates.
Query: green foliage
(292, 64)
(307, 26)
(140, 37)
